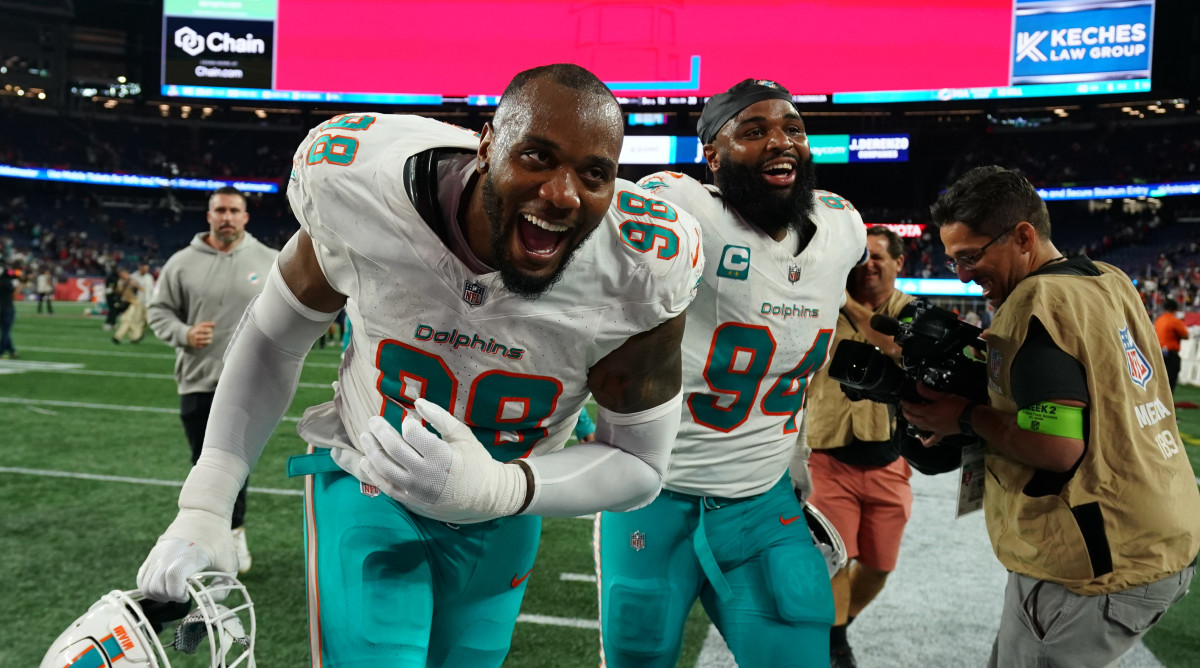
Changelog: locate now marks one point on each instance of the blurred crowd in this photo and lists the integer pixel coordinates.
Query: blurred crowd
(77, 230)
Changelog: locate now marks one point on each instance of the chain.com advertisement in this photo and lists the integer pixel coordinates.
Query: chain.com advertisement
(218, 52)
(1082, 41)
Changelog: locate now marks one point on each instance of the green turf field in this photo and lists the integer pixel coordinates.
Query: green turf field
(105, 410)
(74, 403)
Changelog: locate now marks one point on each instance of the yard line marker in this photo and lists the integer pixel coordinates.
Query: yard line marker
(131, 374)
(136, 481)
(577, 577)
(118, 353)
(104, 407)
(103, 353)
(715, 653)
(43, 411)
(593, 624)
(10, 367)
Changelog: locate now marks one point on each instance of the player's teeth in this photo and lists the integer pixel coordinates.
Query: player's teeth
(545, 225)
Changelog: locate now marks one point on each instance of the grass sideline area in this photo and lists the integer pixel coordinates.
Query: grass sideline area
(76, 404)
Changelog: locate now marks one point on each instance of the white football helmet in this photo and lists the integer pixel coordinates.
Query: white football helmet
(117, 631)
(827, 539)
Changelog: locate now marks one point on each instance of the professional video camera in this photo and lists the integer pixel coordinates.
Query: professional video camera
(933, 351)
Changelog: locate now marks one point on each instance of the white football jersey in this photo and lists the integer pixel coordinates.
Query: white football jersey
(760, 326)
(424, 325)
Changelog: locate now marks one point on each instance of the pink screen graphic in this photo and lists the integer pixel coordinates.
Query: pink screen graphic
(457, 48)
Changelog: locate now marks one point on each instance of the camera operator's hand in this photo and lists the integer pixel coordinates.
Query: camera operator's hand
(939, 417)
(860, 316)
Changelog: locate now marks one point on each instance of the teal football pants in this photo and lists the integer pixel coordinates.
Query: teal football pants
(751, 562)
(389, 588)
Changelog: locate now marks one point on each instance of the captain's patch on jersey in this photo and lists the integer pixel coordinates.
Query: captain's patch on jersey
(473, 293)
(735, 263)
(1139, 367)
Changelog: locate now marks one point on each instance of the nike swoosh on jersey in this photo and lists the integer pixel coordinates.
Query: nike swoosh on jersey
(782, 520)
(516, 581)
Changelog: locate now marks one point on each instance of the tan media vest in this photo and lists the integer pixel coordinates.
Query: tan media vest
(1130, 514)
(836, 421)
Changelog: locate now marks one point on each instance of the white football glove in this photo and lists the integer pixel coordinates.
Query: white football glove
(196, 541)
(451, 479)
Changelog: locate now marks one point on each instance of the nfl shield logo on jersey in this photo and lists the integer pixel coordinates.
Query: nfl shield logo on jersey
(473, 293)
(637, 540)
(793, 273)
(1139, 366)
(368, 490)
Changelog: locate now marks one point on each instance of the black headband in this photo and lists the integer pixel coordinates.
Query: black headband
(724, 106)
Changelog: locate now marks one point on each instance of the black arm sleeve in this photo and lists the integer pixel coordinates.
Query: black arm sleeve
(1042, 371)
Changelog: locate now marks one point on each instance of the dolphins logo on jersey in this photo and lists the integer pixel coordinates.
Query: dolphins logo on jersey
(653, 185)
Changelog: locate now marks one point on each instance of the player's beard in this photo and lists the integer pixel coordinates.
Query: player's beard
(517, 282)
(769, 208)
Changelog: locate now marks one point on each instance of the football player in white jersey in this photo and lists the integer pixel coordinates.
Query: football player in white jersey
(728, 527)
(493, 281)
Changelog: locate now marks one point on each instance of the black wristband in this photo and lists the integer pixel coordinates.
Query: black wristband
(964, 419)
(528, 484)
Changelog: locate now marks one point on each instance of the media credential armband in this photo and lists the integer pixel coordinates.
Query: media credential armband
(1051, 418)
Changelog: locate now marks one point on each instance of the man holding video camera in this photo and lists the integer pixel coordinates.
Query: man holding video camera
(1090, 501)
(859, 479)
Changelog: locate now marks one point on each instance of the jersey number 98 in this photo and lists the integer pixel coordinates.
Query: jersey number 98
(507, 411)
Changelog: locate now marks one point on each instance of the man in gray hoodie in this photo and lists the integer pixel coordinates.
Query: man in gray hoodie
(201, 294)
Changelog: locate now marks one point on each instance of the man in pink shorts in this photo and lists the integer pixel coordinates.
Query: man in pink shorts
(860, 481)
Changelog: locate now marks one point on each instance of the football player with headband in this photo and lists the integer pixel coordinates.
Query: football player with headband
(493, 280)
(728, 527)
(1090, 501)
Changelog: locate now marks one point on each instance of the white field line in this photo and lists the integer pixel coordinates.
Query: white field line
(593, 624)
(119, 353)
(715, 653)
(132, 481)
(590, 624)
(577, 577)
(43, 411)
(131, 374)
(104, 407)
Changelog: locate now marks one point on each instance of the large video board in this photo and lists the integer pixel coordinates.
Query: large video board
(655, 52)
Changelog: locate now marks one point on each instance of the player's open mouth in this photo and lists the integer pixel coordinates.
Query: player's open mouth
(540, 239)
(781, 172)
